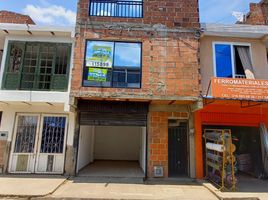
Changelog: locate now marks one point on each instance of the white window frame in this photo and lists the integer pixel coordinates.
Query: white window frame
(232, 44)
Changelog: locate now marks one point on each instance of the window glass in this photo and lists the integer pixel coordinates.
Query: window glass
(62, 56)
(15, 57)
(112, 64)
(127, 55)
(123, 8)
(223, 60)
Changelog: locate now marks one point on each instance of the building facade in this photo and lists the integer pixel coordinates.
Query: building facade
(135, 86)
(35, 117)
(234, 73)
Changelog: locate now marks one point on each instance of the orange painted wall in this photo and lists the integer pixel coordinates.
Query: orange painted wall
(228, 113)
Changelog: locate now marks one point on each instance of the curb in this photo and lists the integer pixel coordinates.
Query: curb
(219, 195)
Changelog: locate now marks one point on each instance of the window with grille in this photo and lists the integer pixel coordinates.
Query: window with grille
(37, 66)
(112, 64)
(53, 134)
(116, 8)
(26, 134)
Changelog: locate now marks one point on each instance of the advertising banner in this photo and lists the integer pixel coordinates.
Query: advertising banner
(96, 74)
(233, 88)
(99, 54)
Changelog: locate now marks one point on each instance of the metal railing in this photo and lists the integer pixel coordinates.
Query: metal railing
(240, 76)
(116, 8)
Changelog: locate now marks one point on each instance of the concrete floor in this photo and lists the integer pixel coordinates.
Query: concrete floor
(114, 169)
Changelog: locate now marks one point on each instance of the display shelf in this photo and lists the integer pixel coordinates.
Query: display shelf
(220, 158)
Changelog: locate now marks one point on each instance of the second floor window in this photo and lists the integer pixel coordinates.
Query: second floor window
(116, 8)
(233, 61)
(112, 64)
(37, 66)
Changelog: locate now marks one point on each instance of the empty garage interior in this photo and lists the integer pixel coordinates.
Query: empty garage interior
(112, 151)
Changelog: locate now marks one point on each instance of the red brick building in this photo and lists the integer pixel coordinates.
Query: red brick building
(258, 14)
(14, 18)
(136, 76)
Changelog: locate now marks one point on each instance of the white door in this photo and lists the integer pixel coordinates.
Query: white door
(39, 144)
(51, 145)
(22, 159)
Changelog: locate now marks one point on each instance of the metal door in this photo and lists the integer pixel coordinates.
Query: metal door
(39, 150)
(177, 150)
(24, 147)
(51, 145)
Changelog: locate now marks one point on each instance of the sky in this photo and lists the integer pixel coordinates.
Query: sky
(63, 12)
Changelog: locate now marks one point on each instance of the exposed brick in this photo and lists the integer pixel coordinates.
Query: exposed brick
(14, 18)
(258, 14)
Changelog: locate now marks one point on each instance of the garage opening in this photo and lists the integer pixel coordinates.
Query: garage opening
(112, 151)
(112, 141)
(249, 165)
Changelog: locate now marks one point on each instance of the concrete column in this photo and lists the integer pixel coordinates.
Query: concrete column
(192, 167)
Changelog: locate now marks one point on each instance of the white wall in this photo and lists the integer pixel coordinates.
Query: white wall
(10, 110)
(86, 146)
(143, 149)
(117, 143)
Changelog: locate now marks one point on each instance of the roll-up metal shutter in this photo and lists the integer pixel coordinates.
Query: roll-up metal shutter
(108, 113)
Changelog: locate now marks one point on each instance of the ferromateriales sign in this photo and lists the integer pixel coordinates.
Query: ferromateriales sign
(233, 88)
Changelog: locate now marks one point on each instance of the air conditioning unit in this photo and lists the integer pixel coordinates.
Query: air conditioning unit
(158, 171)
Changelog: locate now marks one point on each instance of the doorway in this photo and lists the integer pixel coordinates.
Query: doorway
(112, 151)
(38, 144)
(177, 148)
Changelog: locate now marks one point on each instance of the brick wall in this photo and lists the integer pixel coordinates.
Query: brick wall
(14, 18)
(158, 140)
(258, 14)
(170, 66)
(172, 13)
(170, 54)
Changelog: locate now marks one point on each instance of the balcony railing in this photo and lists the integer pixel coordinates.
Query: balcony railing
(116, 8)
(240, 76)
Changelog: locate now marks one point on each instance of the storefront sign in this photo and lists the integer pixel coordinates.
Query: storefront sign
(99, 54)
(96, 74)
(232, 88)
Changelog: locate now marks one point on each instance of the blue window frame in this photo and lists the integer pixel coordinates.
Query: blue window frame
(112, 64)
(223, 61)
(228, 63)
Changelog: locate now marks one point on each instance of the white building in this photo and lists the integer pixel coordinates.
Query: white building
(35, 119)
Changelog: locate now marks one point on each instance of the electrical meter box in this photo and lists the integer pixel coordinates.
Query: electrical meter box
(3, 135)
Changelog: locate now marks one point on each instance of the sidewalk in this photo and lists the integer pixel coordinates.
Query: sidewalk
(255, 192)
(83, 188)
(29, 186)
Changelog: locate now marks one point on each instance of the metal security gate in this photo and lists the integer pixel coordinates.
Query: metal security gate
(38, 144)
(178, 150)
(111, 113)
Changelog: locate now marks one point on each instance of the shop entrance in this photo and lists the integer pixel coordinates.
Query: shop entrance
(112, 139)
(177, 149)
(112, 151)
(248, 155)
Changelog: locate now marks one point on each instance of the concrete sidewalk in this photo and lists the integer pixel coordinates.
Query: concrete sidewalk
(254, 192)
(29, 186)
(85, 188)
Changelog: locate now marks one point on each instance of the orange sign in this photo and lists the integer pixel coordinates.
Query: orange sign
(233, 88)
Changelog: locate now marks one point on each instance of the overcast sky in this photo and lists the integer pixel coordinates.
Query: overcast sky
(62, 12)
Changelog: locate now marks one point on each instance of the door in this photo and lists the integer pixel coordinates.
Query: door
(177, 150)
(39, 144)
(51, 145)
(22, 159)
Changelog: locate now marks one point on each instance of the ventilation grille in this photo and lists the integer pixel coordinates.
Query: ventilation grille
(158, 171)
